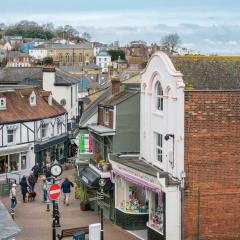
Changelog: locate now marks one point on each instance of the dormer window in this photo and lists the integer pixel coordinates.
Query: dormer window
(2, 103)
(32, 99)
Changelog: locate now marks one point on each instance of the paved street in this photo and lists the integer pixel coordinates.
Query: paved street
(35, 222)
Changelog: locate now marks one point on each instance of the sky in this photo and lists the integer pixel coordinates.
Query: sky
(208, 26)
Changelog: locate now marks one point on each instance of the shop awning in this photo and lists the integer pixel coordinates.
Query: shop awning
(137, 181)
(101, 130)
(91, 178)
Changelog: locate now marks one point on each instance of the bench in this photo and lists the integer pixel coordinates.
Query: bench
(70, 231)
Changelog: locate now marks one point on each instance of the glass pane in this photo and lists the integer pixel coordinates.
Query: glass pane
(3, 164)
(159, 89)
(23, 161)
(14, 162)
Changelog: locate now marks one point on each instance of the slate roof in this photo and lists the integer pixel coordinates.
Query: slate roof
(209, 73)
(33, 76)
(119, 97)
(19, 109)
(68, 46)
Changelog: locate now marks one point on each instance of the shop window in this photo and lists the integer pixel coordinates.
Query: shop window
(23, 160)
(159, 97)
(3, 164)
(44, 127)
(60, 151)
(158, 147)
(106, 116)
(157, 212)
(136, 199)
(13, 162)
(10, 135)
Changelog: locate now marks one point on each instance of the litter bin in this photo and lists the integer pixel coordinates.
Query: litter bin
(79, 236)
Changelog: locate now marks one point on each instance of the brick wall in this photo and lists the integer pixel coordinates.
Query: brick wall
(101, 118)
(212, 165)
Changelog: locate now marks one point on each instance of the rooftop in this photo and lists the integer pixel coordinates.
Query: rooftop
(209, 73)
(18, 107)
(119, 97)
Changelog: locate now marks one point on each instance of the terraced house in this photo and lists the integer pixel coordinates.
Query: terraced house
(183, 184)
(33, 129)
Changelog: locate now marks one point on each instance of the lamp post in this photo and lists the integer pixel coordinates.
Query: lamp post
(167, 136)
(102, 183)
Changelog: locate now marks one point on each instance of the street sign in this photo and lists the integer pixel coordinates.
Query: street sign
(54, 192)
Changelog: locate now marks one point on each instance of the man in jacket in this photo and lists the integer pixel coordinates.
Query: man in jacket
(66, 189)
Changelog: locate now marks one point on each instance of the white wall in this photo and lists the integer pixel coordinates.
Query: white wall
(38, 53)
(168, 121)
(103, 62)
(62, 92)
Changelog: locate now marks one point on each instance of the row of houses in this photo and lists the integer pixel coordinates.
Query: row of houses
(168, 149)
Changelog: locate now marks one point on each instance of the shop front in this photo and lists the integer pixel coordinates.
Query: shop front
(16, 160)
(140, 202)
(90, 176)
(48, 151)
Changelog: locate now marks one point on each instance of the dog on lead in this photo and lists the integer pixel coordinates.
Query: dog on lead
(31, 196)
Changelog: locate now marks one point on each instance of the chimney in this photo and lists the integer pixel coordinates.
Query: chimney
(116, 84)
(48, 77)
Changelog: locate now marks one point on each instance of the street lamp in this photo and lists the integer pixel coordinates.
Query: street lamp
(102, 183)
(167, 137)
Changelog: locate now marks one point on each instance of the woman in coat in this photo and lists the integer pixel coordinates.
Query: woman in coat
(24, 187)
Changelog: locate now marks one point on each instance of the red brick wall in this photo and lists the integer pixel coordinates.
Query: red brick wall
(212, 165)
(101, 119)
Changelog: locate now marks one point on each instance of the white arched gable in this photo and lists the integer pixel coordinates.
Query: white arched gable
(161, 67)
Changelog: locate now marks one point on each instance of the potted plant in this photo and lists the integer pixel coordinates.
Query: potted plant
(83, 197)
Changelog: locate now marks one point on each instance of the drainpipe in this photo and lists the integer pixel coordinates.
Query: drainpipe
(182, 213)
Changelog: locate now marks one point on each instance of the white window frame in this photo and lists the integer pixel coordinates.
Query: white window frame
(158, 97)
(106, 116)
(11, 134)
(158, 147)
(59, 127)
(44, 127)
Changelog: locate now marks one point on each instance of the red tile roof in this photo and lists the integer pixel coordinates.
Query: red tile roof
(19, 109)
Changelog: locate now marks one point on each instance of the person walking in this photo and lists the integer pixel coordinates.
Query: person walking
(44, 188)
(66, 189)
(36, 172)
(13, 199)
(24, 187)
(31, 182)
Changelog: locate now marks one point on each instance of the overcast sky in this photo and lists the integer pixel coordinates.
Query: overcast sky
(211, 26)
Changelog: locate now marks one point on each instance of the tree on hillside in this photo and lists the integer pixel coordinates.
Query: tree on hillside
(67, 32)
(171, 41)
(115, 54)
(29, 29)
(87, 36)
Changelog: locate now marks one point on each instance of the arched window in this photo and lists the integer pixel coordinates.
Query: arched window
(60, 57)
(159, 96)
(67, 57)
(80, 57)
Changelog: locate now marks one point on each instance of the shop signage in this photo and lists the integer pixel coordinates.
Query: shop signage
(85, 143)
(135, 173)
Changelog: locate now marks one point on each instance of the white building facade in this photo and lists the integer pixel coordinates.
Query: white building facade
(103, 60)
(28, 138)
(162, 133)
(38, 53)
(64, 91)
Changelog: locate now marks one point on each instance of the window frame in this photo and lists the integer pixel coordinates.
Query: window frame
(106, 116)
(158, 97)
(11, 134)
(158, 147)
(44, 127)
